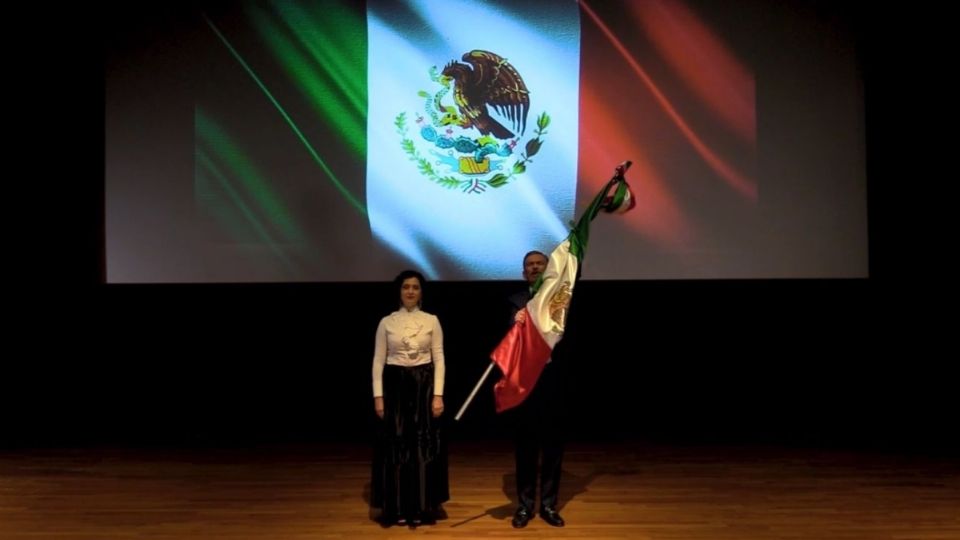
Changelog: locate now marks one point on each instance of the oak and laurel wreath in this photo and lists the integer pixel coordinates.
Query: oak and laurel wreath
(497, 180)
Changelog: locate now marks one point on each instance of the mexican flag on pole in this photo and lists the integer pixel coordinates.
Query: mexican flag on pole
(524, 351)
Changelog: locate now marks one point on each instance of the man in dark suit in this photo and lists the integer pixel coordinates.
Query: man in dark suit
(537, 429)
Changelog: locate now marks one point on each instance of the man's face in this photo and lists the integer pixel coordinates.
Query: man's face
(533, 266)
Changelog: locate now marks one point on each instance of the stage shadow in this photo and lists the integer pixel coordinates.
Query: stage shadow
(571, 485)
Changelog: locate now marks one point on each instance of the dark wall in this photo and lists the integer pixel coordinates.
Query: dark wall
(823, 362)
(813, 362)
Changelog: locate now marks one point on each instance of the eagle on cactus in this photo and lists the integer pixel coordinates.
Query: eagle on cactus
(489, 80)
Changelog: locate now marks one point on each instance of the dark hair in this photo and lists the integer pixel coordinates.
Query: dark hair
(405, 275)
(534, 252)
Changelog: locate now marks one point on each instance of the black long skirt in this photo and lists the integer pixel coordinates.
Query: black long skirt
(410, 459)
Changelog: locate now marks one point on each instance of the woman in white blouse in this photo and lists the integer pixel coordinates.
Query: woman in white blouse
(410, 463)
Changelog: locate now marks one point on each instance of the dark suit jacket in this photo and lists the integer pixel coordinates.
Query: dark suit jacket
(518, 301)
(546, 405)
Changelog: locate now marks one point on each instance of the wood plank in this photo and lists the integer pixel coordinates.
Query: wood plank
(627, 490)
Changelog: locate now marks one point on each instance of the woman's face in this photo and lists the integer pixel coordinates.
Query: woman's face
(410, 292)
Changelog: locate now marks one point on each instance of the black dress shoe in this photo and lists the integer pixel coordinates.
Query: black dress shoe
(551, 516)
(521, 518)
(388, 520)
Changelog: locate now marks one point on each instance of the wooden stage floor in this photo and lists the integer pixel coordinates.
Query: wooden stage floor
(609, 490)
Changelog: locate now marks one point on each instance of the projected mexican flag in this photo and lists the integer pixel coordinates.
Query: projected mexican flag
(341, 141)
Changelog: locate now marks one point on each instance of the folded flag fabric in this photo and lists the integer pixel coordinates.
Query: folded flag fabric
(524, 351)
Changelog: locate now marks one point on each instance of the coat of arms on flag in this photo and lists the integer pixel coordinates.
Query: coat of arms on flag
(459, 139)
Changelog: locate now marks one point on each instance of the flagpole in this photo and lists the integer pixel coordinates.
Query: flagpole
(475, 388)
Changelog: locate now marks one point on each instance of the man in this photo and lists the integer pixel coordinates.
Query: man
(537, 423)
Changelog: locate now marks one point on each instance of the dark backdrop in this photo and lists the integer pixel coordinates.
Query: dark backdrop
(808, 362)
(825, 362)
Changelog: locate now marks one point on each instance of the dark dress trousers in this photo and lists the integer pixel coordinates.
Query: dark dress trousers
(537, 426)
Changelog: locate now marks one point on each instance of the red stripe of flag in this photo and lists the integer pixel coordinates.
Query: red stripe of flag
(523, 341)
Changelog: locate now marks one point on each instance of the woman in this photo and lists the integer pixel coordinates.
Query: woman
(410, 463)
